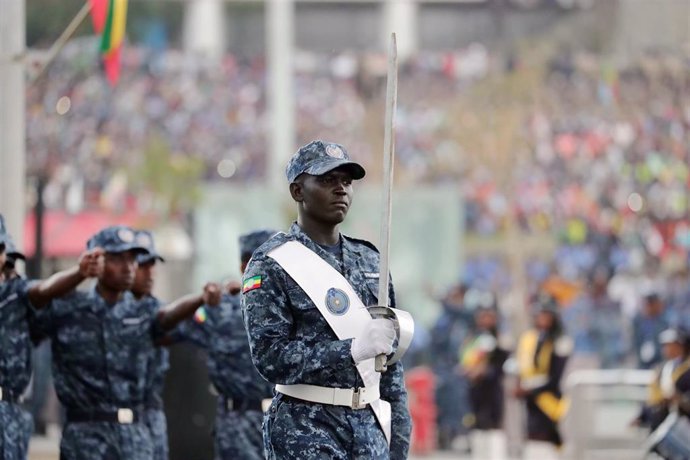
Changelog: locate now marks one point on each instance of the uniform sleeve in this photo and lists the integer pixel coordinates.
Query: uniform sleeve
(393, 390)
(41, 323)
(278, 357)
(189, 330)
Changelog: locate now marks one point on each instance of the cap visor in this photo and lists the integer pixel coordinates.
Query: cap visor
(16, 255)
(147, 258)
(126, 247)
(355, 169)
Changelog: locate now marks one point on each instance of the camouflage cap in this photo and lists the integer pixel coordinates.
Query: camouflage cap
(145, 239)
(249, 242)
(11, 249)
(319, 157)
(116, 238)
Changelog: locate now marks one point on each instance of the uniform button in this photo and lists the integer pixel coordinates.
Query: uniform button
(340, 366)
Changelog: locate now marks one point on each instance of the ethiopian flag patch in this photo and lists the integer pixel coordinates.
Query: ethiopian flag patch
(200, 315)
(251, 283)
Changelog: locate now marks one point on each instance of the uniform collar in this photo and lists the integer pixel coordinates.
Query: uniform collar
(96, 301)
(351, 251)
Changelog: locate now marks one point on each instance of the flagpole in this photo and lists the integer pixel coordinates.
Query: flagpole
(62, 40)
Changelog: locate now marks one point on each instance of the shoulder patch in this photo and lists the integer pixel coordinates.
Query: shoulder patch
(200, 315)
(563, 346)
(251, 283)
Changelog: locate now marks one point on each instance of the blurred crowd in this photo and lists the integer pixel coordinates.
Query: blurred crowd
(478, 355)
(606, 165)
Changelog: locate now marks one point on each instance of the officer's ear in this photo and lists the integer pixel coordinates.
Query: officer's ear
(297, 191)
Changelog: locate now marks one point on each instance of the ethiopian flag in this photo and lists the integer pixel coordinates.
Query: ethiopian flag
(110, 19)
(252, 283)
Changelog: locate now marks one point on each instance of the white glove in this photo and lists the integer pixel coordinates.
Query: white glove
(376, 339)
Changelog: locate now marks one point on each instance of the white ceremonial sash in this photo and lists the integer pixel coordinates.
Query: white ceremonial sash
(315, 276)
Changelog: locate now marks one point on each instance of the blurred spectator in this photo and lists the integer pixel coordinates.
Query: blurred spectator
(647, 326)
(541, 356)
(662, 390)
(454, 416)
(482, 361)
(596, 324)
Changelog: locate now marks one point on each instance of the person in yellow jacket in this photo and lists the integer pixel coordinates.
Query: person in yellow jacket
(662, 390)
(541, 356)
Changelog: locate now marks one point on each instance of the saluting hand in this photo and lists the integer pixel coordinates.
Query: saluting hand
(233, 287)
(211, 294)
(91, 263)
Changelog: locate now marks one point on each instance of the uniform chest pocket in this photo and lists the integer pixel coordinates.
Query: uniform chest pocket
(78, 342)
(299, 299)
(133, 329)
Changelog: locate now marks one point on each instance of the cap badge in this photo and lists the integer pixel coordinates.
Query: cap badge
(335, 152)
(125, 235)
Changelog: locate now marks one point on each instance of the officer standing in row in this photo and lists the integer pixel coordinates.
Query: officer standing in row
(662, 390)
(304, 295)
(17, 302)
(542, 354)
(102, 342)
(154, 415)
(241, 390)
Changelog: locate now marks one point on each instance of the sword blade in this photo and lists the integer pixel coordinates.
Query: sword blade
(388, 160)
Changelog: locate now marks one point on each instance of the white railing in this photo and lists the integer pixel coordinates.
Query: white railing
(603, 405)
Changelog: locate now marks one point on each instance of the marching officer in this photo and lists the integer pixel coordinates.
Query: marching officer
(241, 390)
(102, 342)
(154, 415)
(304, 295)
(18, 299)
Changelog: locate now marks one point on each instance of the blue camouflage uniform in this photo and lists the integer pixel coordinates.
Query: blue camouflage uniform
(220, 331)
(15, 364)
(292, 343)
(101, 354)
(154, 413)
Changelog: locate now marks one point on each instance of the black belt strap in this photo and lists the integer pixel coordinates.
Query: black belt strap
(240, 405)
(123, 416)
(9, 396)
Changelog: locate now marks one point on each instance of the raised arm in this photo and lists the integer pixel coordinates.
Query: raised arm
(175, 312)
(90, 265)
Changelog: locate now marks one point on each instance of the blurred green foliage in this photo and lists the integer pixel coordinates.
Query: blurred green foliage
(171, 179)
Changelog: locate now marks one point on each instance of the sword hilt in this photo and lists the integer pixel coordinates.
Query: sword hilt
(381, 361)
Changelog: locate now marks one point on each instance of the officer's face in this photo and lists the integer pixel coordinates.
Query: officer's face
(673, 350)
(143, 279)
(544, 320)
(119, 270)
(486, 319)
(326, 198)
